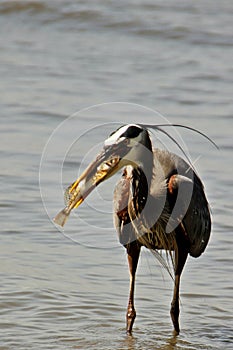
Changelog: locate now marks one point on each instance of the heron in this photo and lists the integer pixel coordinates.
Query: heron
(159, 203)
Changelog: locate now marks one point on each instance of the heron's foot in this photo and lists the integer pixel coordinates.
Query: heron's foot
(130, 317)
(176, 332)
(174, 312)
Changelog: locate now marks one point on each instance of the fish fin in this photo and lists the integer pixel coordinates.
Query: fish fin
(61, 218)
(67, 195)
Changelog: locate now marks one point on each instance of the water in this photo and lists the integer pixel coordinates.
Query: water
(58, 58)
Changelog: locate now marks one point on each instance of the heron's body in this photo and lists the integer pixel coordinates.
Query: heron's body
(159, 203)
(133, 191)
(191, 228)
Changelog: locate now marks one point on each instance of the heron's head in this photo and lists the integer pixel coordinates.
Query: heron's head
(130, 142)
(125, 146)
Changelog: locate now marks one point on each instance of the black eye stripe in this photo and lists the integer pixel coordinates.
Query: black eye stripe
(132, 132)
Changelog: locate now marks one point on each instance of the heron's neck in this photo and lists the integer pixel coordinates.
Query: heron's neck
(142, 176)
(145, 169)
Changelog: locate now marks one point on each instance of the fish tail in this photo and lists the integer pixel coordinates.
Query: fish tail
(61, 217)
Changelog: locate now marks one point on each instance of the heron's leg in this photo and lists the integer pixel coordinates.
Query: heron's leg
(133, 251)
(181, 253)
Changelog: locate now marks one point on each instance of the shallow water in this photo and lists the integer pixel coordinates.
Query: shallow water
(58, 58)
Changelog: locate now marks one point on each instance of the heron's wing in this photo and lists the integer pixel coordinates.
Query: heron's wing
(190, 208)
(186, 197)
(197, 220)
(179, 196)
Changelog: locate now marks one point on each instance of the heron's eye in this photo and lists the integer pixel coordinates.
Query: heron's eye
(126, 141)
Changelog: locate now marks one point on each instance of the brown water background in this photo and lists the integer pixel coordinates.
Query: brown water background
(56, 58)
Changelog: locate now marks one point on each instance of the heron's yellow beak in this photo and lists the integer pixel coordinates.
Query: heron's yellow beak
(104, 166)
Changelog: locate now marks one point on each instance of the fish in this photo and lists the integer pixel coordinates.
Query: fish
(102, 167)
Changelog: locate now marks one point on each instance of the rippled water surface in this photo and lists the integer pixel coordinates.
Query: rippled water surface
(60, 57)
